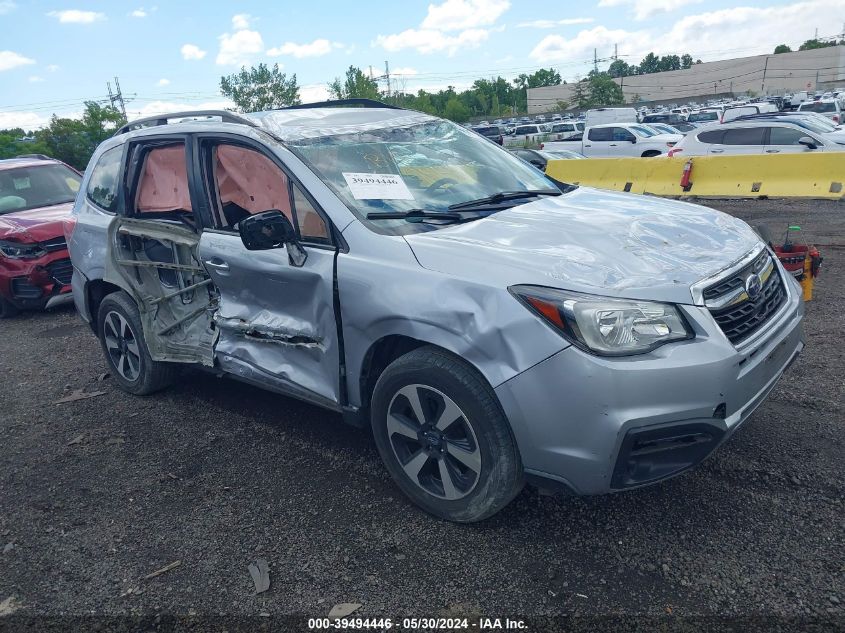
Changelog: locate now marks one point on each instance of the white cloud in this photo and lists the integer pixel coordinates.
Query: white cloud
(53, 68)
(644, 9)
(239, 48)
(154, 108)
(34, 79)
(241, 21)
(458, 15)
(7, 6)
(25, 120)
(550, 24)
(710, 35)
(139, 13)
(317, 48)
(427, 41)
(163, 82)
(11, 59)
(313, 93)
(404, 71)
(75, 16)
(191, 51)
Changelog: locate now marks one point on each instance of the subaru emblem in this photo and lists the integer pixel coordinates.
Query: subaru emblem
(753, 286)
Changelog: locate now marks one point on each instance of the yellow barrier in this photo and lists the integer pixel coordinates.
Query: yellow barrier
(810, 175)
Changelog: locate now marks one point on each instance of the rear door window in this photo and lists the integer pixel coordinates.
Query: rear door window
(600, 134)
(745, 136)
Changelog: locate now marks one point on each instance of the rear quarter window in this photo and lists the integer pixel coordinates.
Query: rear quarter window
(714, 136)
(104, 184)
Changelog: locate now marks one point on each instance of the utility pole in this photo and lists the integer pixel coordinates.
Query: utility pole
(595, 61)
(763, 85)
(615, 51)
(118, 97)
(387, 77)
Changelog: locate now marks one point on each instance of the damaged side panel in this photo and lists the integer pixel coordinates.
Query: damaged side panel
(158, 263)
(276, 322)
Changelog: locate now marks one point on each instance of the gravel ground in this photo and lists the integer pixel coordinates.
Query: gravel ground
(96, 494)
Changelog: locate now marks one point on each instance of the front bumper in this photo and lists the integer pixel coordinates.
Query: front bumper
(33, 284)
(598, 424)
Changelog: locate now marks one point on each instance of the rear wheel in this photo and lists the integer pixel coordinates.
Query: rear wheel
(443, 436)
(7, 310)
(122, 340)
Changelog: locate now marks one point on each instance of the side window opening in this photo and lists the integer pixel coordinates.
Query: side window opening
(246, 182)
(163, 184)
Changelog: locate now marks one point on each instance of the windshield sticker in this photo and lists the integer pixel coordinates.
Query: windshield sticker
(377, 186)
(21, 183)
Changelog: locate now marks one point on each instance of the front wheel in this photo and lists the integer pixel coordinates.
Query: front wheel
(444, 438)
(7, 310)
(122, 340)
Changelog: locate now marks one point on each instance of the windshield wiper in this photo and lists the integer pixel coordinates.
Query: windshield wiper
(504, 196)
(415, 215)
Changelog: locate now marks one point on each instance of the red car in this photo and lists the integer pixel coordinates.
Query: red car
(36, 197)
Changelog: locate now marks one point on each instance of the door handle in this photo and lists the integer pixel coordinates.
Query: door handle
(773, 151)
(217, 264)
(716, 151)
(613, 144)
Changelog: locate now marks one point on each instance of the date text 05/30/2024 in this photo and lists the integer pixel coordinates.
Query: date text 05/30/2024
(413, 624)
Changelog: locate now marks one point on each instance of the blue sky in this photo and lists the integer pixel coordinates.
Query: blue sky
(54, 54)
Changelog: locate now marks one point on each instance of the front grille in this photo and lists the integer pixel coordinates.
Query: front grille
(738, 314)
(61, 271)
(22, 289)
(55, 244)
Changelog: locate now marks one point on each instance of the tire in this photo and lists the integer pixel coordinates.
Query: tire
(650, 154)
(7, 310)
(476, 452)
(128, 359)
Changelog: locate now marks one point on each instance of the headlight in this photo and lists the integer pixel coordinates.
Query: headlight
(16, 250)
(603, 325)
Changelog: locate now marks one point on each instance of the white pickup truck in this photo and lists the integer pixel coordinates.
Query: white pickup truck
(618, 140)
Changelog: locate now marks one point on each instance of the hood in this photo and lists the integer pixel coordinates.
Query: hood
(662, 138)
(599, 242)
(35, 225)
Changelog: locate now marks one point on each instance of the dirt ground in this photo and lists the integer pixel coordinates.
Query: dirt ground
(97, 493)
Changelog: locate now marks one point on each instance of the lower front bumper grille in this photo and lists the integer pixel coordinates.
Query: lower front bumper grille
(23, 290)
(61, 271)
(650, 455)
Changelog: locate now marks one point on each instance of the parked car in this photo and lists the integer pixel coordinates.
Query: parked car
(752, 108)
(599, 116)
(830, 108)
(539, 158)
(663, 117)
(490, 324)
(491, 133)
(703, 117)
(618, 140)
(753, 137)
(815, 123)
(36, 195)
(665, 128)
(565, 130)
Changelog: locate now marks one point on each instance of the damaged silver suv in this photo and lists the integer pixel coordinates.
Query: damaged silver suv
(492, 325)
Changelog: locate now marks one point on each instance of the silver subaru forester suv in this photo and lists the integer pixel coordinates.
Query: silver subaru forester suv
(492, 325)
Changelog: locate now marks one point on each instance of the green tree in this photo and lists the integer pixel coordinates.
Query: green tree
(456, 111)
(650, 64)
(619, 68)
(581, 94)
(686, 61)
(260, 88)
(816, 43)
(604, 91)
(74, 140)
(18, 141)
(356, 85)
(782, 48)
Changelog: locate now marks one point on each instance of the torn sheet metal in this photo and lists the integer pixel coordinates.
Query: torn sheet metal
(269, 328)
(157, 263)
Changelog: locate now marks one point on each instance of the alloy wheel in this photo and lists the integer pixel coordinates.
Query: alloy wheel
(433, 441)
(122, 346)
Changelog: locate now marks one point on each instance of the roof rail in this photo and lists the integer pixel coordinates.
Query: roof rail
(36, 156)
(365, 103)
(162, 119)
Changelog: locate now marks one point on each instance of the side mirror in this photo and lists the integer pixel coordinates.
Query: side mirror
(633, 139)
(807, 142)
(272, 229)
